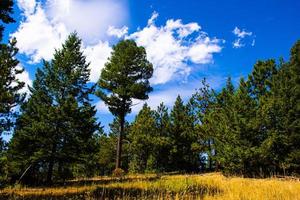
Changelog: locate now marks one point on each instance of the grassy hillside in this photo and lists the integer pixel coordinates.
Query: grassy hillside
(208, 186)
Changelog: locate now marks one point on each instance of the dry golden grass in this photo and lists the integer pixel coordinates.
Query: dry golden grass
(208, 187)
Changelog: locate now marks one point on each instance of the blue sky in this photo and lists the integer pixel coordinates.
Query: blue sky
(185, 40)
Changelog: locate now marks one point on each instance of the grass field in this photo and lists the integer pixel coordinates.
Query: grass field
(207, 187)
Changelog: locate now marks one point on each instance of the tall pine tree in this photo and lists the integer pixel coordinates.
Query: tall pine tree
(125, 76)
(10, 86)
(55, 135)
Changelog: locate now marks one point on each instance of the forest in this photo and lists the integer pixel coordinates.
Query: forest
(249, 129)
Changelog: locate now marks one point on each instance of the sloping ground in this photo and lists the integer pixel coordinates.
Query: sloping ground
(208, 186)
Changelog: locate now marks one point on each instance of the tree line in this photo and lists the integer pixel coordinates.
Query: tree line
(251, 129)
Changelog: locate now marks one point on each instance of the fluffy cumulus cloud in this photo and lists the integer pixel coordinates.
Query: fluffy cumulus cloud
(242, 37)
(97, 56)
(27, 6)
(117, 32)
(172, 46)
(90, 19)
(38, 37)
(46, 24)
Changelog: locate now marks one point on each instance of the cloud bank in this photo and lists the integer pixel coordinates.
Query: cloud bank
(171, 47)
(174, 46)
(47, 24)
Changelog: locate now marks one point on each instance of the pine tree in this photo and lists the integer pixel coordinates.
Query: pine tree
(6, 10)
(143, 141)
(182, 136)
(10, 86)
(293, 114)
(125, 76)
(56, 131)
(280, 109)
(162, 121)
(219, 124)
(201, 103)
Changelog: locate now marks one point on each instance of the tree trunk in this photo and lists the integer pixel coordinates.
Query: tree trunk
(51, 164)
(119, 144)
(210, 155)
(50, 171)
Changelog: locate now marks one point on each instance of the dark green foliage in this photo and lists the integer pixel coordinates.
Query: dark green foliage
(10, 96)
(125, 76)
(55, 135)
(10, 86)
(164, 144)
(254, 129)
(143, 142)
(6, 10)
(281, 112)
(160, 141)
(200, 105)
(150, 141)
(183, 136)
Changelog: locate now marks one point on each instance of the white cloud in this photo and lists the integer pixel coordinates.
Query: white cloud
(152, 18)
(181, 29)
(27, 6)
(201, 51)
(90, 19)
(23, 77)
(241, 33)
(118, 32)
(237, 43)
(37, 37)
(171, 47)
(241, 37)
(46, 26)
(97, 56)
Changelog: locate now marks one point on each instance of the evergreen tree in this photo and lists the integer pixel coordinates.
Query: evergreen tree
(143, 141)
(182, 136)
(201, 103)
(6, 10)
(55, 135)
(218, 122)
(10, 86)
(125, 76)
(280, 111)
(260, 83)
(260, 79)
(164, 144)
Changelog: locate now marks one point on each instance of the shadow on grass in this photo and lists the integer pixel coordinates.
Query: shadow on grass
(106, 181)
(102, 193)
(193, 192)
